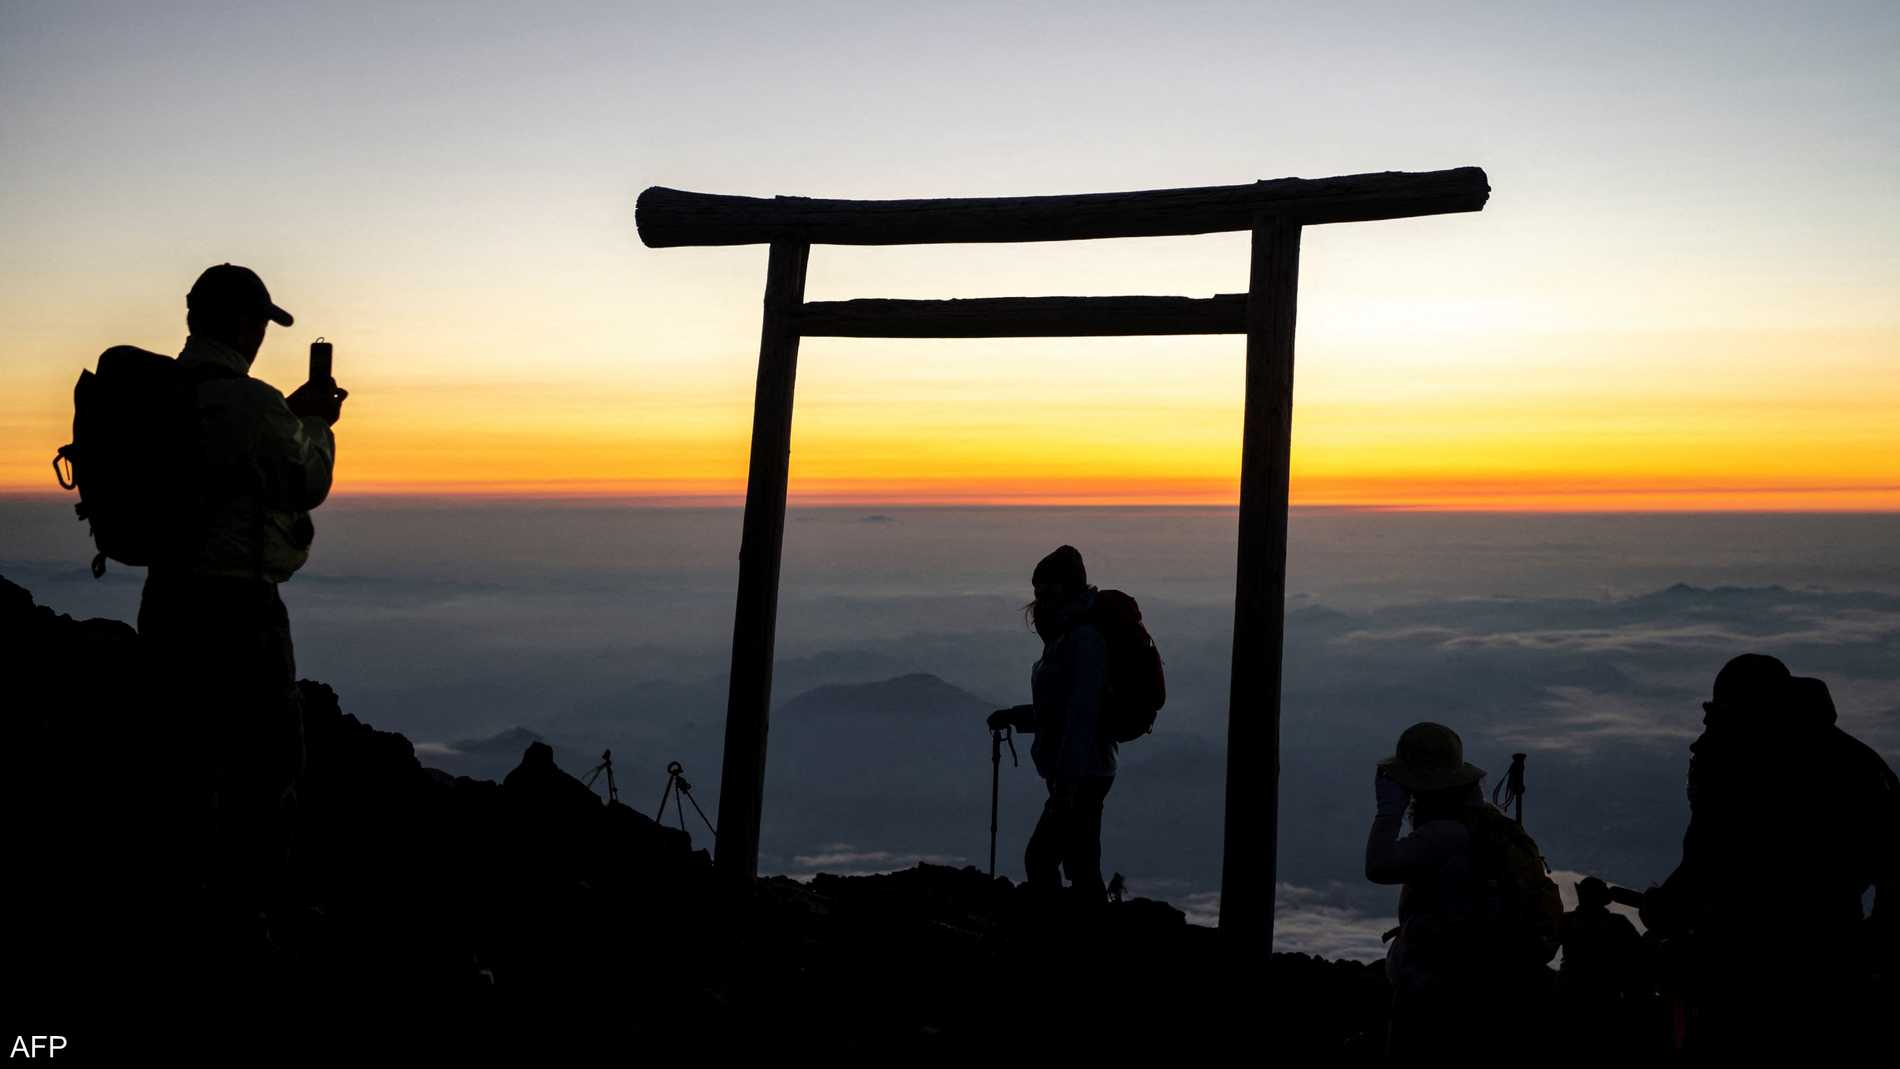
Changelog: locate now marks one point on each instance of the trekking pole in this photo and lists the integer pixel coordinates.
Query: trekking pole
(998, 736)
(996, 779)
(1510, 790)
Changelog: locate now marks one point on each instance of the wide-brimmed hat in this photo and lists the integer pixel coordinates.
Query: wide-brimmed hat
(1431, 757)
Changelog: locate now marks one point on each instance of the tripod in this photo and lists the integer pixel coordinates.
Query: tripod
(677, 788)
(606, 765)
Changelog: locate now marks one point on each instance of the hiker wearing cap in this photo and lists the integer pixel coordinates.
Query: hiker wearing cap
(1072, 752)
(210, 618)
(1456, 970)
(1791, 822)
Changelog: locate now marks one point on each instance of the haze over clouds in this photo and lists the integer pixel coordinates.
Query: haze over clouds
(1586, 641)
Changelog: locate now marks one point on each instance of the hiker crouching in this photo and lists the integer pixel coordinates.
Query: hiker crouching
(1477, 915)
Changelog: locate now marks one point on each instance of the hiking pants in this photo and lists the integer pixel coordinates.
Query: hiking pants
(219, 652)
(1069, 839)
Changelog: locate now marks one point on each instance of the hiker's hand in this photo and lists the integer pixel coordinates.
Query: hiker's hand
(999, 719)
(1392, 796)
(322, 399)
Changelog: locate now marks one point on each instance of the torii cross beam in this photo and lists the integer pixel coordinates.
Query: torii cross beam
(1275, 211)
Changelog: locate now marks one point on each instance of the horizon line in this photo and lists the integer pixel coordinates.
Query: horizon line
(1504, 505)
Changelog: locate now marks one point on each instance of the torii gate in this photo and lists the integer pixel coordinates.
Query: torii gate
(1275, 211)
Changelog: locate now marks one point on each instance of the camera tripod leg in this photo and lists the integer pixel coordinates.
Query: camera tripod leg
(659, 817)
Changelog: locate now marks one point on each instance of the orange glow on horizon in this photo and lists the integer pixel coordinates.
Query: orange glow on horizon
(1658, 422)
(1449, 496)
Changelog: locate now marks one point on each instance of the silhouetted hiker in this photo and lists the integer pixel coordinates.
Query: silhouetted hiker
(542, 786)
(1072, 752)
(1603, 954)
(210, 618)
(1791, 820)
(1604, 978)
(1477, 916)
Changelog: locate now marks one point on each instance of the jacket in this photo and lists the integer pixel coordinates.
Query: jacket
(1437, 904)
(1797, 822)
(263, 467)
(1066, 687)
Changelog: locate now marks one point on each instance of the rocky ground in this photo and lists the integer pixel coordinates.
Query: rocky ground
(472, 919)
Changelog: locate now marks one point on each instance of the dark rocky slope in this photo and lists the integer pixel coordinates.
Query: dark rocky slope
(464, 918)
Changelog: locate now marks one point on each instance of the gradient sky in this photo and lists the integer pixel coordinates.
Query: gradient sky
(1682, 293)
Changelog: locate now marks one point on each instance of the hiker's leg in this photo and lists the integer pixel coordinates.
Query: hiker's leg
(177, 637)
(265, 754)
(1083, 855)
(1441, 1025)
(220, 649)
(1042, 860)
(1414, 1029)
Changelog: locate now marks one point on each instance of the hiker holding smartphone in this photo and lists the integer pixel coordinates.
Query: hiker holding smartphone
(248, 466)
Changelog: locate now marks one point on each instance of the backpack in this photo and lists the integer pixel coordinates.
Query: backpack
(1519, 906)
(1136, 688)
(134, 454)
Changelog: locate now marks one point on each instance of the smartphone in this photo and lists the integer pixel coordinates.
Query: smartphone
(320, 369)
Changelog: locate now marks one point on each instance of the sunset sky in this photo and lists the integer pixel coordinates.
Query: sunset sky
(1682, 294)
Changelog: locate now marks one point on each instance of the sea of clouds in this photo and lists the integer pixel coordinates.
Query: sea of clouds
(1586, 642)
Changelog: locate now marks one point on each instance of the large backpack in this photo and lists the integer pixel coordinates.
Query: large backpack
(1136, 688)
(134, 457)
(1519, 906)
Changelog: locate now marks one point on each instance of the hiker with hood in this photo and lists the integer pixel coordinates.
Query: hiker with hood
(210, 617)
(1477, 915)
(1791, 822)
(1072, 752)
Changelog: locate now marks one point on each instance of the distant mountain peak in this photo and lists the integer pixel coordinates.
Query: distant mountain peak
(514, 741)
(911, 694)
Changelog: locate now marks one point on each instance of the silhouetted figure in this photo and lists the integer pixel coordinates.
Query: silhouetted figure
(1467, 962)
(1791, 821)
(544, 787)
(210, 618)
(1604, 979)
(1074, 756)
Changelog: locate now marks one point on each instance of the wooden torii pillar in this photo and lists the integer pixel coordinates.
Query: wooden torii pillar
(1275, 211)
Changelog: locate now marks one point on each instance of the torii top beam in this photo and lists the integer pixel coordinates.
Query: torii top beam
(670, 217)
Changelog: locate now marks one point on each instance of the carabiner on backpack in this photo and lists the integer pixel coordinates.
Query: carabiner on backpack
(68, 480)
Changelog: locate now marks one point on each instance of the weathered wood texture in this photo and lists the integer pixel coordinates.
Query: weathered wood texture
(671, 217)
(1025, 317)
(1250, 839)
(755, 620)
